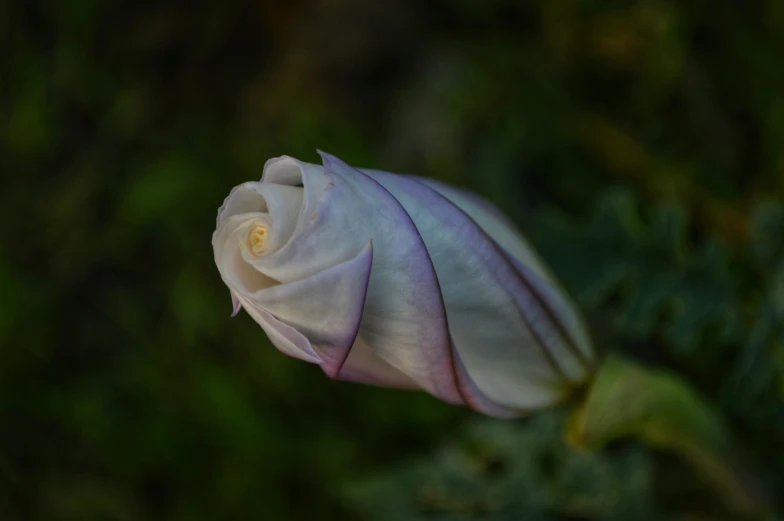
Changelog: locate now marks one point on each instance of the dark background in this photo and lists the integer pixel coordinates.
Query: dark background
(127, 393)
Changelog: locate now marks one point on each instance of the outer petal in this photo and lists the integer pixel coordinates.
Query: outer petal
(561, 312)
(493, 222)
(236, 306)
(287, 339)
(325, 308)
(404, 318)
(476, 398)
(512, 351)
(519, 252)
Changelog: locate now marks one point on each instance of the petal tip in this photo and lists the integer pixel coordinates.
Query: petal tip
(236, 306)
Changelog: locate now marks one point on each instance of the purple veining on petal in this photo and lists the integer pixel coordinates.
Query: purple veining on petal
(434, 344)
(478, 200)
(336, 354)
(569, 324)
(499, 267)
(363, 275)
(495, 224)
(520, 293)
(326, 308)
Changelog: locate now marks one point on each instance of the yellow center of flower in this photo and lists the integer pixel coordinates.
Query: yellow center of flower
(257, 239)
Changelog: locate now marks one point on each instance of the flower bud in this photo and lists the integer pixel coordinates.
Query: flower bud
(402, 282)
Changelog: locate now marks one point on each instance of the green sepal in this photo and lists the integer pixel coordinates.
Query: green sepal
(628, 400)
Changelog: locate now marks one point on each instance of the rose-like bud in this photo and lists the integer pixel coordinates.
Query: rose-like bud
(400, 281)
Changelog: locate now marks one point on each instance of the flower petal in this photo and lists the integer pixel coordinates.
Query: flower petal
(342, 210)
(525, 259)
(228, 246)
(242, 199)
(511, 350)
(235, 304)
(287, 339)
(283, 203)
(493, 222)
(326, 307)
(561, 310)
(478, 400)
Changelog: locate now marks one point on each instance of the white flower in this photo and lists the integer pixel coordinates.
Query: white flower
(400, 281)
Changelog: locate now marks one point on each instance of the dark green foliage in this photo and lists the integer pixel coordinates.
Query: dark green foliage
(656, 283)
(714, 315)
(638, 143)
(503, 471)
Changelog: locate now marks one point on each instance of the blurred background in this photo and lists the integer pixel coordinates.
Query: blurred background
(638, 143)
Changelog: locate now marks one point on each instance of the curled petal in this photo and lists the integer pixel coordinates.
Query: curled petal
(283, 204)
(230, 249)
(326, 308)
(287, 339)
(242, 199)
(235, 304)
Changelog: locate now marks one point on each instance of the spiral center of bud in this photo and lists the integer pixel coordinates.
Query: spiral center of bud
(257, 239)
